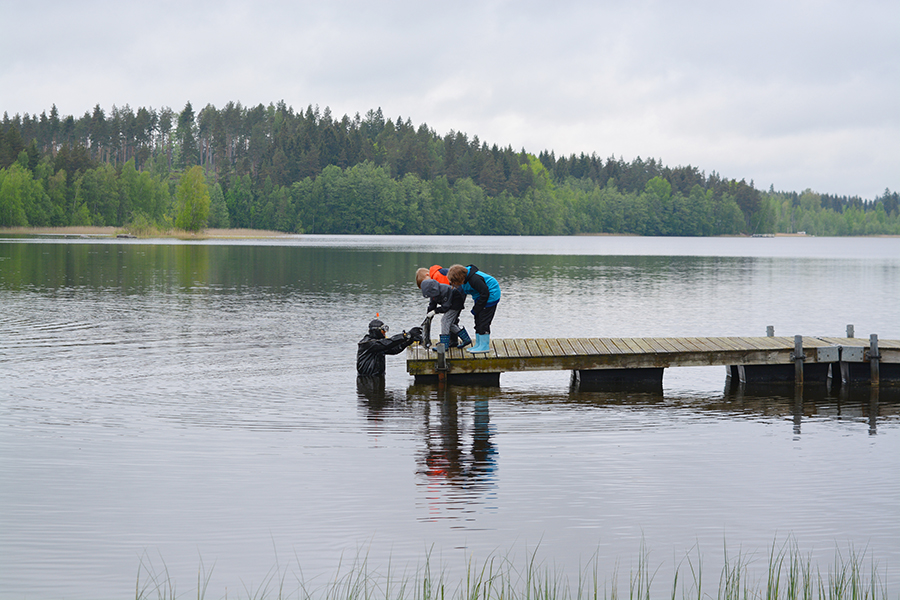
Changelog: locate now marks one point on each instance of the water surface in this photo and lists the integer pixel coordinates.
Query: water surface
(170, 403)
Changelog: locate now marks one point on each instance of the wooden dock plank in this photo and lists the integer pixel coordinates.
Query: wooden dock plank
(668, 345)
(605, 346)
(763, 343)
(741, 344)
(849, 341)
(631, 345)
(646, 345)
(759, 343)
(594, 346)
(578, 345)
(555, 347)
(620, 346)
(728, 344)
(502, 348)
(567, 347)
(720, 344)
(517, 347)
(544, 347)
(695, 344)
(521, 347)
(534, 348)
(677, 344)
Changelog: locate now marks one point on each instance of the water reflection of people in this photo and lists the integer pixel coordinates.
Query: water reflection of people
(370, 390)
(374, 346)
(445, 457)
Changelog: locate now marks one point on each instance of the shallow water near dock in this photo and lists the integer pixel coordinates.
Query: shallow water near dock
(171, 404)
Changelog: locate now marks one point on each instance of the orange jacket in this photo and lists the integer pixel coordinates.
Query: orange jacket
(439, 274)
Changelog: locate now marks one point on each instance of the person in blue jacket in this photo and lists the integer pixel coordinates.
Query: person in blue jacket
(485, 291)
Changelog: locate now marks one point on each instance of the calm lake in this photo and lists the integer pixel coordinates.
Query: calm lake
(172, 407)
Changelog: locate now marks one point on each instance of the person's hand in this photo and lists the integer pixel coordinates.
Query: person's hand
(430, 314)
(415, 334)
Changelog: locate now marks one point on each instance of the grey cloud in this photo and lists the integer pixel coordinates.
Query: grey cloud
(797, 94)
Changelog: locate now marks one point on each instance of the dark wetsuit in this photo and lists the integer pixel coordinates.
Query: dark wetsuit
(371, 351)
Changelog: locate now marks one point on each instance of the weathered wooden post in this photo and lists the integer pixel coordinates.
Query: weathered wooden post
(441, 363)
(849, 331)
(874, 358)
(798, 359)
(770, 331)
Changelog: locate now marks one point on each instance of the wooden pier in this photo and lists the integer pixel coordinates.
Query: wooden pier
(601, 361)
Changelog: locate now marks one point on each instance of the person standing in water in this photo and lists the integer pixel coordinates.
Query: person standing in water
(374, 346)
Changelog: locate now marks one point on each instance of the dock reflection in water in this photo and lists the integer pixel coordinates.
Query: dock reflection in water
(456, 464)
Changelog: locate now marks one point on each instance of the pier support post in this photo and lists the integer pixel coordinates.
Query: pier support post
(874, 359)
(442, 367)
(798, 359)
(770, 331)
(849, 331)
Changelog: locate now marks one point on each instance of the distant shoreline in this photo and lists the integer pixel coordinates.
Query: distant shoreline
(262, 234)
(112, 232)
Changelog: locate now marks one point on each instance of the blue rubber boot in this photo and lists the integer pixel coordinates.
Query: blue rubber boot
(464, 338)
(482, 343)
(445, 340)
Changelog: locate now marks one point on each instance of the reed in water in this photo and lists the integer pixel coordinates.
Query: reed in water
(789, 575)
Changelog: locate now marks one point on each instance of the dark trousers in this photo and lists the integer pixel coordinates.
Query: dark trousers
(483, 319)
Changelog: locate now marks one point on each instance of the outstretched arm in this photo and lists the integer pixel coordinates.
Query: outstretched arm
(398, 343)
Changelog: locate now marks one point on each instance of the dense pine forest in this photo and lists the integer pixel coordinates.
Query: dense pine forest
(269, 167)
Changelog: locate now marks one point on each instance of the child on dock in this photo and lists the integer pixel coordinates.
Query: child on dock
(485, 291)
(436, 272)
(448, 301)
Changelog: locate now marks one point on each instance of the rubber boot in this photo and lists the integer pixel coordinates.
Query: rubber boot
(445, 340)
(482, 343)
(464, 337)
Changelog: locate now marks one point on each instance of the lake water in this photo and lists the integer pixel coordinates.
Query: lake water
(168, 407)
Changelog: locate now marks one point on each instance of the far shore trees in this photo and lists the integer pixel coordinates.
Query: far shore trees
(270, 167)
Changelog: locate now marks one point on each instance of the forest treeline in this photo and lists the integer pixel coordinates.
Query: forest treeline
(269, 167)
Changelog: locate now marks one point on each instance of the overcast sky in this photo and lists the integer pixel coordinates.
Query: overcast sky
(789, 93)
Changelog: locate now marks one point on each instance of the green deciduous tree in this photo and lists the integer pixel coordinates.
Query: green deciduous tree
(12, 192)
(98, 190)
(192, 200)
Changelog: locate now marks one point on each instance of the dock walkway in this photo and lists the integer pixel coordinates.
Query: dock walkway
(752, 359)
